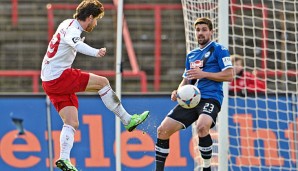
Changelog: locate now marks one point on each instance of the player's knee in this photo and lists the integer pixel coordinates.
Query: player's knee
(202, 130)
(98, 82)
(74, 124)
(159, 131)
(162, 133)
(103, 81)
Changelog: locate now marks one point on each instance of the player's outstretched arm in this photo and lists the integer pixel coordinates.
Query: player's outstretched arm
(90, 51)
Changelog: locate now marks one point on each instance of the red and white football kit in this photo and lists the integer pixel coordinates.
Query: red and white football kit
(59, 80)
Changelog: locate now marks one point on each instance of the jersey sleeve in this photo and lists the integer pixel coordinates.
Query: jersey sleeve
(224, 60)
(73, 37)
(86, 49)
(74, 40)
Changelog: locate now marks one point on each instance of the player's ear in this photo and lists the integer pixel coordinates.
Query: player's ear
(90, 18)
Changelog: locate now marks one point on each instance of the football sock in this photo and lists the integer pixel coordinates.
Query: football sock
(205, 147)
(161, 153)
(66, 141)
(206, 168)
(112, 102)
(206, 163)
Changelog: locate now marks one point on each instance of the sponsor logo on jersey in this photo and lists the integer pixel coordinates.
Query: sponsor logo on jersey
(76, 39)
(196, 64)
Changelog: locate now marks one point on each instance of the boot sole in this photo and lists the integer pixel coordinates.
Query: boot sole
(61, 165)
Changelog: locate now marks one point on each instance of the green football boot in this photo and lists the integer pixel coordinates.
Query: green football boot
(65, 165)
(136, 120)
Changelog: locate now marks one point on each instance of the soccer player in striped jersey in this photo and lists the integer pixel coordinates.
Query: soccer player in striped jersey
(207, 67)
(60, 81)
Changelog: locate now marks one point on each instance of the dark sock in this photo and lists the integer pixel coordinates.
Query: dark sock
(205, 146)
(206, 168)
(161, 154)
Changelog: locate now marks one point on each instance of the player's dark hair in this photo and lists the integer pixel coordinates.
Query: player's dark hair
(87, 8)
(204, 20)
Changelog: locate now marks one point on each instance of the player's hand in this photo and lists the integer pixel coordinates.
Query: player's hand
(102, 52)
(174, 95)
(195, 73)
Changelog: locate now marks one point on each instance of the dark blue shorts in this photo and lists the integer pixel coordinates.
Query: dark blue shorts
(186, 117)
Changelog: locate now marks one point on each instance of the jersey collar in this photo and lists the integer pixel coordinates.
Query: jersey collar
(79, 25)
(205, 46)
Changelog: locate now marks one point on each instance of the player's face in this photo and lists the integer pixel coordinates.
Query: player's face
(203, 34)
(92, 23)
(238, 66)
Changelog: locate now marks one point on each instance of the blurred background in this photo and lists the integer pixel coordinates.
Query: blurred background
(154, 46)
(25, 35)
(263, 32)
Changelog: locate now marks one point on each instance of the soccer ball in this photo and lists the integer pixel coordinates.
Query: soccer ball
(188, 96)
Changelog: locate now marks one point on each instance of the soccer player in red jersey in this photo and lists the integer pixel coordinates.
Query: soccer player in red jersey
(60, 81)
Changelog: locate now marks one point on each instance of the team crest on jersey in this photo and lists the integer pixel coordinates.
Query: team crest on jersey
(196, 64)
(207, 54)
(76, 39)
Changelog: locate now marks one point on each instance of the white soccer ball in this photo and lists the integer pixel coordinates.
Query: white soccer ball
(188, 96)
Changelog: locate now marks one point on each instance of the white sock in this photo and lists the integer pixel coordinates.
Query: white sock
(66, 141)
(112, 102)
(206, 163)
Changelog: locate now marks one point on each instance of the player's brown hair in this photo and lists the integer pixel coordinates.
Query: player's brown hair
(204, 20)
(87, 8)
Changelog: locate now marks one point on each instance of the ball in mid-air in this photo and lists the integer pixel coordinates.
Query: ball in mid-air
(188, 96)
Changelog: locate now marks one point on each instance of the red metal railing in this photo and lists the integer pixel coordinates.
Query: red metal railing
(131, 53)
(264, 72)
(157, 8)
(14, 12)
(234, 7)
(129, 45)
(35, 75)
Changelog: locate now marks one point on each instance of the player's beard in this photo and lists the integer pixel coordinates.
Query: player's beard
(202, 41)
(89, 28)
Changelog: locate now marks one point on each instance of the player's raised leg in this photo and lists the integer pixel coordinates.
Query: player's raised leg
(112, 102)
